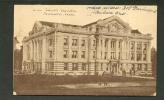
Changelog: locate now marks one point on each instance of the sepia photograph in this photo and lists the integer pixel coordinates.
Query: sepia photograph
(86, 50)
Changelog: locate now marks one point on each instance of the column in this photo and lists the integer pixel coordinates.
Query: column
(43, 54)
(123, 49)
(103, 48)
(34, 50)
(117, 48)
(98, 48)
(109, 49)
(128, 50)
(135, 51)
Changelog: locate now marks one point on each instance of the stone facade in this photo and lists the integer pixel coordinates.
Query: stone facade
(108, 45)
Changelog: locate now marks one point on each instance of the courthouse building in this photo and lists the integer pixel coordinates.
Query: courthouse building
(106, 45)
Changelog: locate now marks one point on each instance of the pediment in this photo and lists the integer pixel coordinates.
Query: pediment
(37, 27)
(114, 24)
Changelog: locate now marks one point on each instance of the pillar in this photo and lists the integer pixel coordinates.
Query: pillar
(117, 49)
(103, 48)
(109, 49)
(123, 49)
(43, 54)
(135, 51)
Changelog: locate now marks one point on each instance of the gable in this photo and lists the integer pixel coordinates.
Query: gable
(111, 24)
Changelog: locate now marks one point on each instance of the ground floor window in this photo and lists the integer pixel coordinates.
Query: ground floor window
(83, 66)
(65, 66)
(74, 66)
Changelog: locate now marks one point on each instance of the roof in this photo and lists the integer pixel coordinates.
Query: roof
(136, 31)
(108, 18)
(52, 23)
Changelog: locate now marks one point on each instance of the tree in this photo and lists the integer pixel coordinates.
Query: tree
(154, 62)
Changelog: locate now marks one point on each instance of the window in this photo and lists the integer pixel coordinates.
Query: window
(132, 55)
(94, 54)
(66, 41)
(28, 52)
(50, 42)
(83, 43)
(139, 46)
(65, 66)
(83, 66)
(101, 66)
(119, 55)
(139, 56)
(50, 54)
(144, 57)
(97, 29)
(50, 65)
(146, 68)
(74, 66)
(132, 45)
(105, 56)
(74, 54)
(90, 29)
(94, 42)
(106, 43)
(83, 54)
(113, 44)
(113, 55)
(74, 42)
(65, 54)
(145, 46)
(139, 67)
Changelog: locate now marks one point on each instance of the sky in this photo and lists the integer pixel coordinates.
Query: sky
(143, 18)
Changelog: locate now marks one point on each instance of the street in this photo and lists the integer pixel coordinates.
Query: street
(111, 89)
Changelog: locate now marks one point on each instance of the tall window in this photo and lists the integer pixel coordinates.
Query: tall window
(94, 54)
(132, 56)
(132, 45)
(65, 66)
(139, 56)
(101, 66)
(50, 42)
(113, 44)
(144, 57)
(113, 55)
(94, 42)
(90, 29)
(83, 54)
(119, 55)
(105, 56)
(139, 46)
(74, 42)
(65, 54)
(74, 66)
(97, 29)
(106, 43)
(28, 52)
(145, 46)
(83, 43)
(83, 66)
(66, 41)
(74, 54)
(50, 54)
